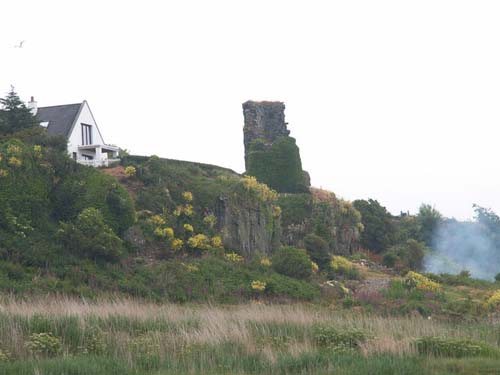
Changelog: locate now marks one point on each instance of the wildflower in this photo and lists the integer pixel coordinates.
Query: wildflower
(169, 232)
(258, 285)
(192, 268)
(4, 173)
(418, 281)
(216, 241)
(176, 244)
(233, 257)
(15, 162)
(157, 220)
(13, 149)
(265, 262)
(199, 241)
(130, 171)
(494, 300)
(210, 220)
(314, 267)
(187, 196)
(188, 227)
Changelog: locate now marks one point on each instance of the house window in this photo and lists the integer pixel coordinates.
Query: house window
(74, 155)
(87, 157)
(86, 134)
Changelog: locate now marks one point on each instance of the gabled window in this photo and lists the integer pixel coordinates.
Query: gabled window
(86, 134)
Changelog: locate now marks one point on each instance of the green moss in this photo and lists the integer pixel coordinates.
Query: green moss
(278, 165)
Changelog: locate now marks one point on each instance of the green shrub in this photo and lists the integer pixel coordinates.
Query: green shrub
(295, 208)
(331, 337)
(292, 262)
(497, 277)
(44, 344)
(453, 347)
(90, 236)
(317, 248)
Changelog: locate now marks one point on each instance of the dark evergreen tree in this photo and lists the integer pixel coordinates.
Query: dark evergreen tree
(379, 229)
(14, 115)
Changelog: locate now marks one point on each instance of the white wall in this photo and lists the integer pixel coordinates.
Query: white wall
(75, 139)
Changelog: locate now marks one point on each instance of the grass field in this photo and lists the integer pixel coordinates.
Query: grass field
(67, 336)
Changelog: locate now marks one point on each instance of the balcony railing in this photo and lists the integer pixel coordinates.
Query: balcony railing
(96, 163)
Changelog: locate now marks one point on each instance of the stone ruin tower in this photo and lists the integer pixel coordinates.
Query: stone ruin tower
(265, 121)
(271, 155)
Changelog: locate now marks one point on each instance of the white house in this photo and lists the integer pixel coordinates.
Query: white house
(76, 123)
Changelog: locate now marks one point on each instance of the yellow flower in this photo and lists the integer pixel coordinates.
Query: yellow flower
(192, 268)
(276, 211)
(233, 257)
(265, 262)
(216, 241)
(339, 263)
(15, 162)
(188, 227)
(157, 220)
(210, 220)
(259, 285)
(176, 244)
(4, 173)
(13, 149)
(130, 171)
(188, 210)
(494, 300)
(418, 281)
(315, 267)
(199, 241)
(37, 149)
(160, 232)
(187, 196)
(169, 232)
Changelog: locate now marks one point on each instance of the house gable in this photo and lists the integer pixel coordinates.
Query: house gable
(84, 118)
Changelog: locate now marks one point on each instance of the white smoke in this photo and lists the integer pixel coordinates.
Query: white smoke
(459, 246)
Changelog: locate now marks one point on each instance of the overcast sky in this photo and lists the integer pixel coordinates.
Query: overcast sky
(393, 100)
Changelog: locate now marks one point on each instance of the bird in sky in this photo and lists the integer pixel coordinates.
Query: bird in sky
(20, 45)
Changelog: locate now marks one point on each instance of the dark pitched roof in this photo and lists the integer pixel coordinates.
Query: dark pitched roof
(60, 118)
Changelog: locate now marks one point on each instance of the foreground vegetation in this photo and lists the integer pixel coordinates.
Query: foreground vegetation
(69, 336)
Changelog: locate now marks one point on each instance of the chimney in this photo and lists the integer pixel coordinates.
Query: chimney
(32, 106)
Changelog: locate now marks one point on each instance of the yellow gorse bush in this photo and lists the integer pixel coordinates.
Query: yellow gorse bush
(130, 171)
(314, 267)
(176, 244)
(266, 262)
(418, 281)
(13, 149)
(15, 162)
(233, 257)
(216, 242)
(263, 192)
(157, 220)
(494, 300)
(339, 263)
(187, 196)
(258, 285)
(199, 241)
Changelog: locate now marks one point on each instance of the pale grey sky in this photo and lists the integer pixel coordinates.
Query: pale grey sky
(393, 100)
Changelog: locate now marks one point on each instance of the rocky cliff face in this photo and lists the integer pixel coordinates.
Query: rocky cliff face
(249, 228)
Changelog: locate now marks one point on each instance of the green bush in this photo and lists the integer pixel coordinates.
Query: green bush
(317, 248)
(331, 337)
(295, 208)
(44, 344)
(292, 262)
(453, 347)
(90, 236)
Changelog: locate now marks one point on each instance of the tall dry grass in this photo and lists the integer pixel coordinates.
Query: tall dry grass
(170, 328)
